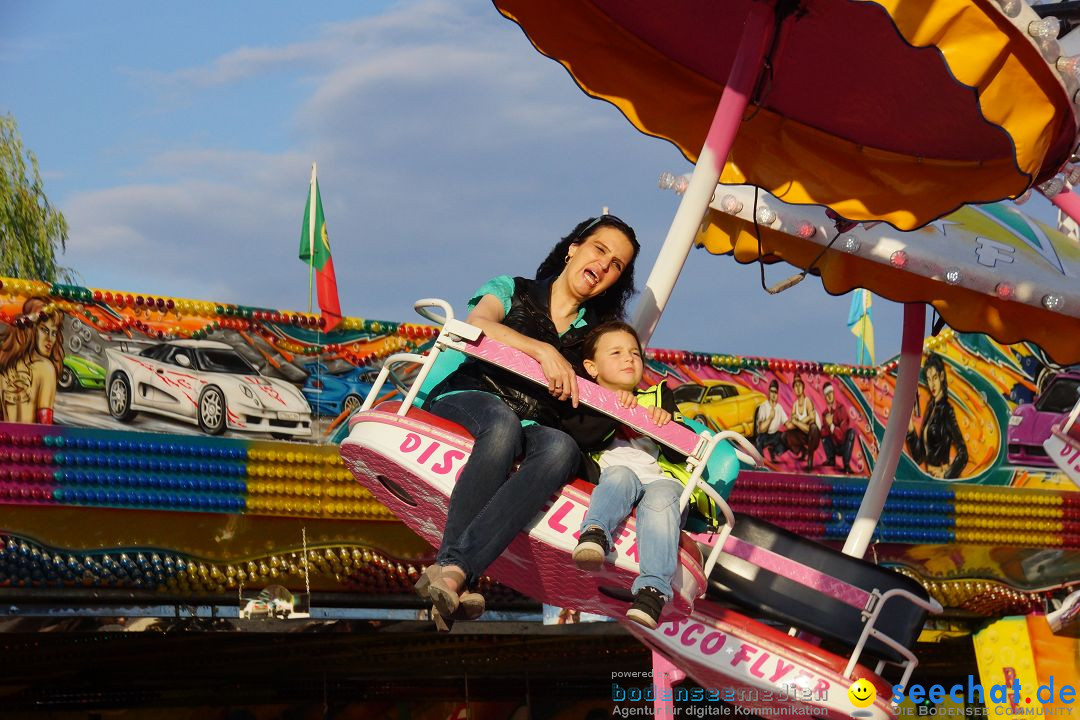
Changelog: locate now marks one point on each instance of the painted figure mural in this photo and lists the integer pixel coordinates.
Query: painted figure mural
(938, 443)
(31, 360)
(802, 433)
(769, 420)
(837, 436)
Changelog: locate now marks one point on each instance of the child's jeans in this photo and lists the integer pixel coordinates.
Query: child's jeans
(658, 521)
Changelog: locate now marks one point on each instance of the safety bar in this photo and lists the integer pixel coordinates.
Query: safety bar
(384, 373)
(1073, 419)
(748, 454)
(871, 616)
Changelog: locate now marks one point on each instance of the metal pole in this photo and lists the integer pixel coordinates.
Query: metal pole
(907, 385)
(757, 33)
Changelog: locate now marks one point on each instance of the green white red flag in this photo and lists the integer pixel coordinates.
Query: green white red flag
(315, 251)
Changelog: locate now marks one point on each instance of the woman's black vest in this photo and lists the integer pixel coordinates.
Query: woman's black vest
(529, 315)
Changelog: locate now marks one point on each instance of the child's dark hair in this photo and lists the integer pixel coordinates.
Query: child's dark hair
(588, 348)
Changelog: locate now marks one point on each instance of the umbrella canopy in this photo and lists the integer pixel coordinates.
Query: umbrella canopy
(897, 110)
(988, 269)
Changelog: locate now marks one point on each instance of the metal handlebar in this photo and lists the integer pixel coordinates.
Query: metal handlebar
(748, 453)
(384, 373)
(424, 306)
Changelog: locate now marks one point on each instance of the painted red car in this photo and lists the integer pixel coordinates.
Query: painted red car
(1030, 424)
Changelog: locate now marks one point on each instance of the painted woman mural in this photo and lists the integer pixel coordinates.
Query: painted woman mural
(938, 443)
(31, 358)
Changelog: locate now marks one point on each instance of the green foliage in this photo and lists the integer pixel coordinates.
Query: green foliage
(31, 229)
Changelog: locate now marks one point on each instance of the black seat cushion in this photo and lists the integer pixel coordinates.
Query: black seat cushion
(736, 581)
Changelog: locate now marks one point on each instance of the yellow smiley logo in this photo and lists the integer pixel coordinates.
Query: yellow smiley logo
(862, 693)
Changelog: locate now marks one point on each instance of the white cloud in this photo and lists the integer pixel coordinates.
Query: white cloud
(449, 151)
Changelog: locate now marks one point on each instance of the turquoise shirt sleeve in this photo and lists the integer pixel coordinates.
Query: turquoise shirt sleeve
(501, 287)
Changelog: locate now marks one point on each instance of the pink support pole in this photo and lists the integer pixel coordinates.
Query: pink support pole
(749, 60)
(757, 33)
(1069, 203)
(665, 674)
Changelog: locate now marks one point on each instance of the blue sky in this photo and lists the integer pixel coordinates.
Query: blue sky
(177, 138)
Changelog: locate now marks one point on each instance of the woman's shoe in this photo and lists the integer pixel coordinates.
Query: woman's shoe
(430, 573)
(470, 607)
(444, 599)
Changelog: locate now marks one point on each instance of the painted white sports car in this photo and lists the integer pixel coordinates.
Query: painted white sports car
(205, 383)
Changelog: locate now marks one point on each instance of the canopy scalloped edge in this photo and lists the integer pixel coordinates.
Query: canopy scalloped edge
(1015, 86)
(867, 263)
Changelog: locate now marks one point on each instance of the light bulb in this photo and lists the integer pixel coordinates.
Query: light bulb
(1011, 8)
(805, 230)
(1052, 301)
(1045, 29)
(731, 204)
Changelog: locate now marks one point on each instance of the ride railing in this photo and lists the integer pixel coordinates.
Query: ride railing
(698, 448)
(470, 341)
(1063, 444)
(1070, 426)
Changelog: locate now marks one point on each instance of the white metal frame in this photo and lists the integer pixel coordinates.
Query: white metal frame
(454, 330)
(870, 616)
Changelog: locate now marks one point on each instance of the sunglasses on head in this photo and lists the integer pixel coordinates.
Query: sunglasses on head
(619, 222)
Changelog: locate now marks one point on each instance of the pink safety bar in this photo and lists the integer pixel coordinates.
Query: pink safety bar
(673, 435)
(797, 572)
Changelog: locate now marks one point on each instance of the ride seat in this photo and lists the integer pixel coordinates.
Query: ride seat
(391, 406)
(738, 581)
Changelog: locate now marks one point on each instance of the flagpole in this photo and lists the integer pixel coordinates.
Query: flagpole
(311, 237)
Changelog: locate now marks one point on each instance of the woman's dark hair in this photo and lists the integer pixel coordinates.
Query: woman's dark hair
(588, 348)
(612, 304)
(933, 360)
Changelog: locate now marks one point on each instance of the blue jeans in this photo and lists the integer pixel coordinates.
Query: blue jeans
(489, 506)
(843, 449)
(658, 521)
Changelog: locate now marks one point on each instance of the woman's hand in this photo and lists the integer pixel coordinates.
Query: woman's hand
(659, 415)
(562, 381)
(627, 399)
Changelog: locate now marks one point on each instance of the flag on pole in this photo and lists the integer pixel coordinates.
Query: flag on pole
(315, 251)
(861, 323)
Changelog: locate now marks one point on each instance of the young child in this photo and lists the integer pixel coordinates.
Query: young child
(634, 470)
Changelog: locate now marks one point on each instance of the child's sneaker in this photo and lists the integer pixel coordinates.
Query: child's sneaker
(591, 549)
(648, 602)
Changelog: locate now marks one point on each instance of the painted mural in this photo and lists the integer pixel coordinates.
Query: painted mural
(158, 444)
(105, 359)
(983, 412)
(111, 360)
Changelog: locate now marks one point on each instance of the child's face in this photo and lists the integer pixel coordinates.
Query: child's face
(617, 363)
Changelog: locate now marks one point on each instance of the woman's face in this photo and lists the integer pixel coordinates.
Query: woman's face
(46, 336)
(597, 262)
(933, 382)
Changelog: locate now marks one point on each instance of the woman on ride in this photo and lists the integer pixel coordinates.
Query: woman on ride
(585, 280)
